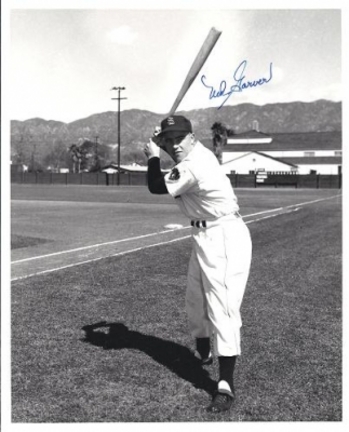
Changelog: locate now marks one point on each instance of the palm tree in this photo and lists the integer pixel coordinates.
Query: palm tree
(220, 138)
(77, 156)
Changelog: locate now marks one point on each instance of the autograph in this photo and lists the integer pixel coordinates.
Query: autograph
(239, 86)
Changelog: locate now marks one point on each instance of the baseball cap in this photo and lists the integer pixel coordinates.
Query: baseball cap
(175, 125)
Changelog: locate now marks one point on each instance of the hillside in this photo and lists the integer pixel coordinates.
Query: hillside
(41, 137)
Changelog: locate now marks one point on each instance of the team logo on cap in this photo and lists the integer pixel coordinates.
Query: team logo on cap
(170, 121)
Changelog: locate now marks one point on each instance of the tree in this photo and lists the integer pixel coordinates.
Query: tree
(220, 138)
(88, 156)
(18, 150)
(77, 157)
(58, 157)
(134, 155)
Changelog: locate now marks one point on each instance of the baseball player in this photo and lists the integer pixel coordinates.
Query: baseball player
(220, 261)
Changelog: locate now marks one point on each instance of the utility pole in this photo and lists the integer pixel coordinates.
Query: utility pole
(33, 162)
(118, 98)
(96, 151)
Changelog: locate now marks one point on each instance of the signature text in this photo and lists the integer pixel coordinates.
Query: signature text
(240, 83)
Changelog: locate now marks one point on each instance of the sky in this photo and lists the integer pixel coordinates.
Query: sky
(63, 62)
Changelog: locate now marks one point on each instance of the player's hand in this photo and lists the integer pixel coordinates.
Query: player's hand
(157, 130)
(151, 149)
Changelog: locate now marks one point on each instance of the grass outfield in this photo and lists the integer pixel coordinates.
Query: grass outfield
(138, 366)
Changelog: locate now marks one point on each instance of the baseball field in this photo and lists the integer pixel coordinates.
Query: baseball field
(99, 329)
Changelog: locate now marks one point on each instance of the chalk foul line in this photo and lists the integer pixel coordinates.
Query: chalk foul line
(268, 216)
(97, 245)
(100, 258)
(153, 234)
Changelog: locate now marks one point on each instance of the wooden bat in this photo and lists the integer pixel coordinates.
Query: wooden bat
(199, 61)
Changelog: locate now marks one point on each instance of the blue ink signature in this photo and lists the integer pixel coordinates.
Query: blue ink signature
(239, 86)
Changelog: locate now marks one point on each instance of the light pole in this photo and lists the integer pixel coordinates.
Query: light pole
(118, 98)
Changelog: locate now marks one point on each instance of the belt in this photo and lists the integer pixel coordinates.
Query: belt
(206, 223)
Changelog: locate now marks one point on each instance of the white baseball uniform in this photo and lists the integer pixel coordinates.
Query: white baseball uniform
(220, 262)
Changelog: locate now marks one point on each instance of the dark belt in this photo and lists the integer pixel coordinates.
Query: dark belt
(205, 224)
(198, 223)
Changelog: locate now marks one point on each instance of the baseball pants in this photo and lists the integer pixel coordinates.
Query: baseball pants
(217, 276)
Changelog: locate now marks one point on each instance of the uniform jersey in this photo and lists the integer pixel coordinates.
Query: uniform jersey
(201, 188)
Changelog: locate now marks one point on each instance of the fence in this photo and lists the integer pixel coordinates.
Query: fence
(318, 181)
(103, 179)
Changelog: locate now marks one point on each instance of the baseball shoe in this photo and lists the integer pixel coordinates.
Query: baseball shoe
(222, 399)
(207, 361)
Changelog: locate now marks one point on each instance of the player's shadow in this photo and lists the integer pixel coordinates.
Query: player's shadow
(175, 357)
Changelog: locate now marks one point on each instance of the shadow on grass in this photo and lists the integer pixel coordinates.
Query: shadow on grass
(175, 357)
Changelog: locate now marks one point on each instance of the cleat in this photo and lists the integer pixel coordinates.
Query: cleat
(222, 401)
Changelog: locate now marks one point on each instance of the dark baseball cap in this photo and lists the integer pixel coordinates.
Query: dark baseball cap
(175, 125)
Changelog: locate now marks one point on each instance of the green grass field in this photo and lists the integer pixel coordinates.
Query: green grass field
(107, 341)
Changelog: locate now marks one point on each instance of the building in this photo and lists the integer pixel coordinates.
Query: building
(18, 168)
(253, 162)
(112, 168)
(301, 153)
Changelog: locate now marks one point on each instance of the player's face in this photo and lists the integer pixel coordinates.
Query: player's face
(178, 147)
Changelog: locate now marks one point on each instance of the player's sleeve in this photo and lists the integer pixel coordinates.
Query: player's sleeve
(179, 180)
(156, 182)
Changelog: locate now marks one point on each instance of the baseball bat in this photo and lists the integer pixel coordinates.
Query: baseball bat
(199, 61)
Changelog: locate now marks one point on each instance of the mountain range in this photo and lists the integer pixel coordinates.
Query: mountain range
(138, 125)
